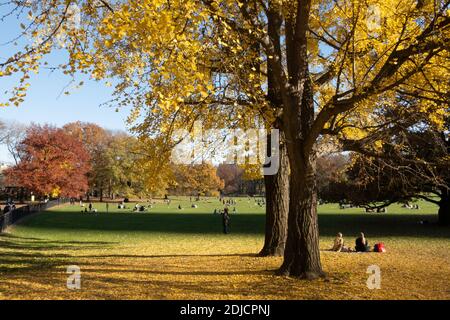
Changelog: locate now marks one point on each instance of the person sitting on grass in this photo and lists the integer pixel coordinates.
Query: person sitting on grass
(361, 244)
(179, 207)
(338, 245)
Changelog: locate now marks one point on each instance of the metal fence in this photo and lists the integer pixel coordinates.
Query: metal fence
(11, 217)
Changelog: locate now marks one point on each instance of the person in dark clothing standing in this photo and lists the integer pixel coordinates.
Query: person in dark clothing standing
(225, 220)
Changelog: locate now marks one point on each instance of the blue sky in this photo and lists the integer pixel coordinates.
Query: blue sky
(45, 103)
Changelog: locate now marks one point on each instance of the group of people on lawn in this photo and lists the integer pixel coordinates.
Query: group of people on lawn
(90, 208)
(121, 205)
(361, 245)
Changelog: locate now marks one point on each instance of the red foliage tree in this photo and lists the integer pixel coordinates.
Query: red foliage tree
(54, 163)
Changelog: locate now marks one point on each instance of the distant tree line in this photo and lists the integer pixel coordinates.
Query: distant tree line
(84, 159)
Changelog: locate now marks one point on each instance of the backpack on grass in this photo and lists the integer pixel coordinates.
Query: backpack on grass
(379, 247)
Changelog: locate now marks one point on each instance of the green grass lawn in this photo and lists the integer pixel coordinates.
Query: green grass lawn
(169, 253)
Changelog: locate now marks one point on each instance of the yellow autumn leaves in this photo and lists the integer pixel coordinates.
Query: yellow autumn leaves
(158, 47)
(178, 61)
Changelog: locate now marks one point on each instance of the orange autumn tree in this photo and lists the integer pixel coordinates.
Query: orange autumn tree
(53, 164)
(197, 179)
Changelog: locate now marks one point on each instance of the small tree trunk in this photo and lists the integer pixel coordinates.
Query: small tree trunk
(22, 195)
(444, 210)
(110, 191)
(277, 186)
(277, 204)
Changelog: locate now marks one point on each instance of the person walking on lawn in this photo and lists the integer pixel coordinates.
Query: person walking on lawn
(226, 220)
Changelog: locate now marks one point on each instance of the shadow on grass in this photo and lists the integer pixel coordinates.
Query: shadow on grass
(24, 254)
(379, 225)
(10, 241)
(382, 225)
(28, 253)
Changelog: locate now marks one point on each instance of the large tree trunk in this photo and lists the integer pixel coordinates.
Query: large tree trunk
(302, 252)
(277, 205)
